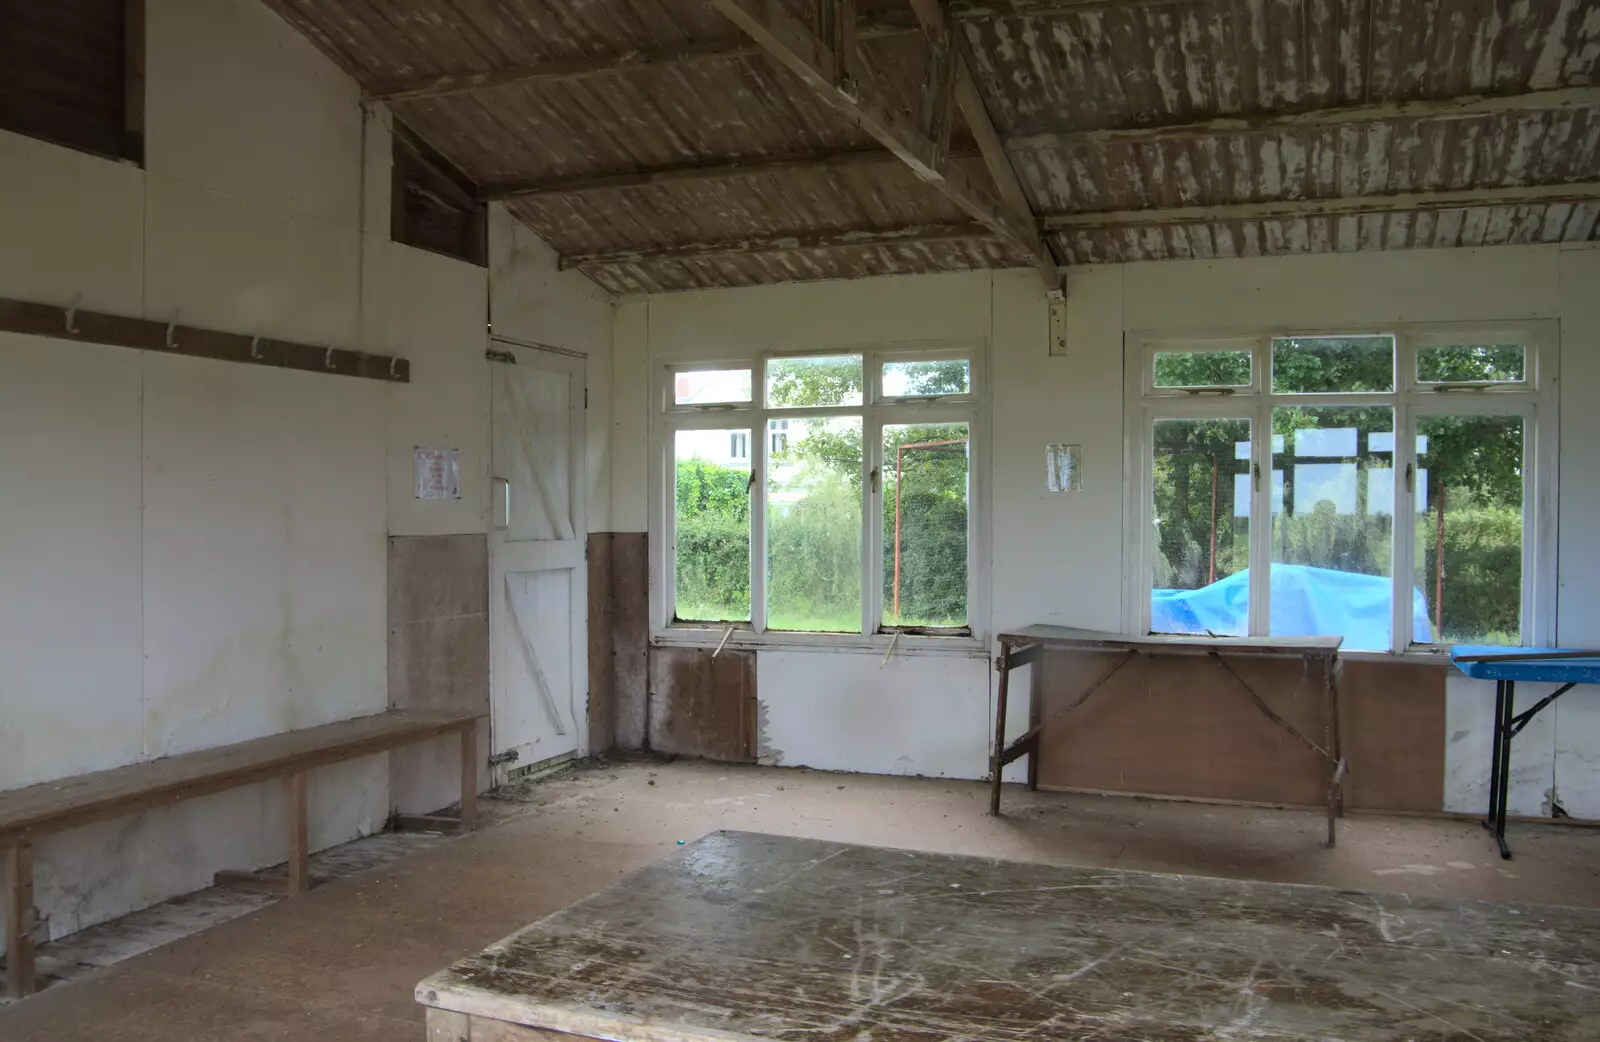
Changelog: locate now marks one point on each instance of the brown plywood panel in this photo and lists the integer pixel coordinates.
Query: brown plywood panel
(1182, 726)
(703, 704)
(630, 581)
(602, 638)
(1394, 734)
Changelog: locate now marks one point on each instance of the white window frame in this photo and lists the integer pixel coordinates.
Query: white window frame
(1534, 399)
(876, 411)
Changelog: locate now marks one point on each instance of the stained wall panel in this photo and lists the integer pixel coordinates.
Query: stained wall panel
(703, 704)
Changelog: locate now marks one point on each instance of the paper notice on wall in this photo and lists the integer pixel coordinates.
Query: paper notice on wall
(438, 474)
(1061, 468)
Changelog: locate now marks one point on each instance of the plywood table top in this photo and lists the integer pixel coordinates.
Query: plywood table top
(744, 936)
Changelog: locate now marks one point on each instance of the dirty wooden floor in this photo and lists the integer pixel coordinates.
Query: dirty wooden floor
(342, 961)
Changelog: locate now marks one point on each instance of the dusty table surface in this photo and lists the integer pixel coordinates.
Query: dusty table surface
(748, 936)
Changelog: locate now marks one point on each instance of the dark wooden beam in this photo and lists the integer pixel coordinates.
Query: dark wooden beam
(1466, 107)
(1349, 206)
(799, 51)
(719, 170)
(93, 327)
(1113, 220)
(946, 39)
(558, 69)
(824, 240)
(1470, 106)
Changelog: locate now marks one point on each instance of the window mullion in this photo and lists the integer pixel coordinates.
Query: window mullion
(1260, 610)
(758, 523)
(872, 522)
(1405, 542)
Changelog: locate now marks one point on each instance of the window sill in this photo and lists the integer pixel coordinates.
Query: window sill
(918, 645)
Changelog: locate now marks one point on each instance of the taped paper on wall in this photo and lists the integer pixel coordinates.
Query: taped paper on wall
(1061, 468)
(438, 474)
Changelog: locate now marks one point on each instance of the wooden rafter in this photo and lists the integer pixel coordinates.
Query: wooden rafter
(1433, 109)
(555, 70)
(1348, 206)
(947, 42)
(802, 53)
(1470, 106)
(1114, 220)
(827, 240)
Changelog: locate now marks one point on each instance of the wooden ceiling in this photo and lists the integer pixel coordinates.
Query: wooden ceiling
(673, 144)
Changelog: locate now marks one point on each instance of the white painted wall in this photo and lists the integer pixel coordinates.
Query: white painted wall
(1058, 557)
(192, 552)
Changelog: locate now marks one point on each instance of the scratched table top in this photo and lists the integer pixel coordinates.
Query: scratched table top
(748, 936)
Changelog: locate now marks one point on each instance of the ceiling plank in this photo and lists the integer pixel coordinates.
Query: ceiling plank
(798, 49)
(556, 70)
(1464, 107)
(825, 240)
(1349, 206)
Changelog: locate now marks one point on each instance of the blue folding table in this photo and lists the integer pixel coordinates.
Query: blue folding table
(1505, 666)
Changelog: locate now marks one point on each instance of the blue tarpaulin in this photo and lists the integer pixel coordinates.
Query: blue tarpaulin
(1305, 602)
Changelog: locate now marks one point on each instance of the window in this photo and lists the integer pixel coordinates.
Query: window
(435, 207)
(1383, 487)
(71, 73)
(853, 517)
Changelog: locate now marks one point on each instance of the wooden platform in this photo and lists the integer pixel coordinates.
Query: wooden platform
(744, 936)
(72, 802)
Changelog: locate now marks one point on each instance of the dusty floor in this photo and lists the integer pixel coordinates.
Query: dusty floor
(341, 962)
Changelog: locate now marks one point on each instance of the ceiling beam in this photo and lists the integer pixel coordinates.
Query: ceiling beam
(944, 35)
(723, 170)
(1465, 107)
(1349, 206)
(1469, 106)
(824, 240)
(1114, 220)
(802, 53)
(450, 84)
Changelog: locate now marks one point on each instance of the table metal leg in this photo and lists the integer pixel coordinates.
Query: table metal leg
(1494, 754)
(1003, 665)
(1503, 732)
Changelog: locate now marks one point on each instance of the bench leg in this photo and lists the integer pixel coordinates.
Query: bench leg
(299, 843)
(469, 776)
(20, 919)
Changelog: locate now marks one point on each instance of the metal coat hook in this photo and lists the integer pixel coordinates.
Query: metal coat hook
(72, 319)
(172, 340)
(255, 347)
(327, 359)
(394, 368)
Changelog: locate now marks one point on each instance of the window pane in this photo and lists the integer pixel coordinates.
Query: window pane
(814, 526)
(1316, 365)
(1469, 529)
(712, 499)
(1202, 515)
(912, 379)
(925, 524)
(1333, 524)
(814, 382)
(711, 387)
(1472, 364)
(1202, 368)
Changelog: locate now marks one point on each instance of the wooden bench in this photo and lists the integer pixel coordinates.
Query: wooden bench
(39, 810)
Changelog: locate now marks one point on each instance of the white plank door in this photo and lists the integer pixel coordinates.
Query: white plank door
(538, 593)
